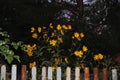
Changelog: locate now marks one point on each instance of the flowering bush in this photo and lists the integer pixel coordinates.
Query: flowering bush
(57, 46)
(61, 45)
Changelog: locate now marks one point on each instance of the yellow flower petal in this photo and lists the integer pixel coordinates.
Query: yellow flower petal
(32, 29)
(39, 29)
(85, 49)
(35, 35)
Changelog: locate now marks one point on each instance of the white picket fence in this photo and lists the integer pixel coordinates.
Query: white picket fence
(47, 73)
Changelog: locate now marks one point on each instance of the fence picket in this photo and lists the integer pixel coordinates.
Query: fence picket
(24, 72)
(44, 73)
(14, 72)
(77, 73)
(105, 73)
(34, 73)
(68, 73)
(3, 72)
(59, 73)
(114, 74)
(95, 73)
(49, 73)
(86, 74)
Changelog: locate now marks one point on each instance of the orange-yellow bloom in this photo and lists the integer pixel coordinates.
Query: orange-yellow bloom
(64, 27)
(32, 64)
(59, 27)
(96, 57)
(69, 27)
(30, 49)
(100, 56)
(81, 35)
(85, 49)
(66, 60)
(78, 53)
(45, 35)
(50, 25)
(35, 35)
(39, 29)
(62, 32)
(54, 68)
(76, 34)
(53, 34)
(32, 29)
(53, 42)
(60, 39)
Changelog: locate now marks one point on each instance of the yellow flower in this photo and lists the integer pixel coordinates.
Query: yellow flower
(53, 68)
(45, 35)
(82, 66)
(53, 42)
(60, 39)
(69, 27)
(62, 32)
(59, 27)
(51, 25)
(96, 57)
(81, 35)
(64, 27)
(78, 53)
(85, 49)
(53, 34)
(34, 47)
(58, 60)
(35, 35)
(32, 64)
(100, 56)
(66, 60)
(30, 49)
(32, 29)
(39, 29)
(29, 53)
(76, 34)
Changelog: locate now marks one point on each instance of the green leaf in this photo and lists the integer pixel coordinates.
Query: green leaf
(9, 59)
(18, 58)
(14, 45)
(4, 34)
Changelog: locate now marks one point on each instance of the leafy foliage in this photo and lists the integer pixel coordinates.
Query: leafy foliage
(7, 47)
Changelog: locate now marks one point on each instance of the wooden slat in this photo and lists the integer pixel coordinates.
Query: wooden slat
(34, 73)
(86, 73)
(49, 73)
(3, 72)
(77, 73)
(24, 72)
(59, 73)
(114, 74)
(14, 72)
(44, 73)
(95, 73)
(68, 73)
(105, 74)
